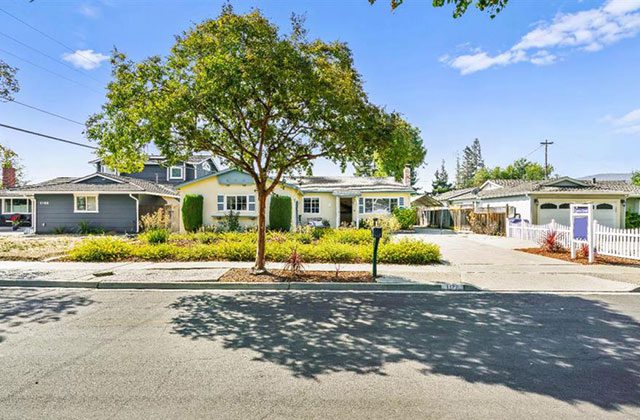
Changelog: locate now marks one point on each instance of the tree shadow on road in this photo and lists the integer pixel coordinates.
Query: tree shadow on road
(35, 306)
(568, 348)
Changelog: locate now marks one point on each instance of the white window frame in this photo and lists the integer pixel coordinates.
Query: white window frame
(310, 198)
(206, 166)
(107, 170)
(388, 211)
(75, 203)
(248, 198)
(4, 209)
(170, 176)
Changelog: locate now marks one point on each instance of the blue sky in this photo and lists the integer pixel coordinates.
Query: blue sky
(560, 70)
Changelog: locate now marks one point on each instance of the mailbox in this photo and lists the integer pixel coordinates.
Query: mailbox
(376, 232)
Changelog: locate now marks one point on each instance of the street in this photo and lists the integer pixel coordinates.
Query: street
(73, 353)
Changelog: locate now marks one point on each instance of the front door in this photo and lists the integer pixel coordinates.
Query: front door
(346, 211)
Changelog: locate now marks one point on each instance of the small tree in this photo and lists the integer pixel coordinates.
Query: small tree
(280, 213)
(265, 103)
(192, 212)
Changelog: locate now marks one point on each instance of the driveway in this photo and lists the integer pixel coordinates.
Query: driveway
(169, 354)
(492, 263)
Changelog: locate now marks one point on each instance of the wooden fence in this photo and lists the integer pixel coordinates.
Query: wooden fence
(615, 242)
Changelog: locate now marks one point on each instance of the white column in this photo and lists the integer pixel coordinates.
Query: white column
(337, 211)
(356, 204)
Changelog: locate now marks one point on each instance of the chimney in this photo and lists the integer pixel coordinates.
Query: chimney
(8, 177)
(406, 176)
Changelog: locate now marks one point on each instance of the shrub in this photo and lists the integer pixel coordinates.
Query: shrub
(159, 252)
(230, 223)
(350, 236)
(550, 242)
(280, 213)
(407, 217)
(59, 230)
(156, 236)
(632, 220)
(294, 262)
(583, 251)
(84, 228)
(156, 220)
(409, 251)
(192, 212)
(105, 248)
(388, 223)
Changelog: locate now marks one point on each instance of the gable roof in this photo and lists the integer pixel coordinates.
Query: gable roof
(118, 184)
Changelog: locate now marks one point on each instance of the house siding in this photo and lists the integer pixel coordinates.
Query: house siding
(117, 213)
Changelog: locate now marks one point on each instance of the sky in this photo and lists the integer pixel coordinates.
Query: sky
(566, 71)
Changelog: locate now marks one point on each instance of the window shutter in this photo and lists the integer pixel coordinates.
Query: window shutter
(361, 205)
(221, 203)
(251, 199)
(401, 202)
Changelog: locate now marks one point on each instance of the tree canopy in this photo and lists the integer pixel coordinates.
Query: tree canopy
(493, 7)
(402, 146)
(441, 182)
(263, 102)
(472, 162)
(8, 82)
(519, 169)
(635, 177)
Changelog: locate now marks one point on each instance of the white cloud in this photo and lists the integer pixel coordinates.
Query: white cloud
(589, 30)
(629, 123)
(85, 59)
(89, 10)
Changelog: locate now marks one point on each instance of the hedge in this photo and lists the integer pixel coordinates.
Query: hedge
(407, 217)
(280, 213)
(192, 212)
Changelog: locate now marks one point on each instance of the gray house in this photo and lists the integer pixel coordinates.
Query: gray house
(105, 199)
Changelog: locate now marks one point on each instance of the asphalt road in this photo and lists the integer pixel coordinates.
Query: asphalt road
(166, 354)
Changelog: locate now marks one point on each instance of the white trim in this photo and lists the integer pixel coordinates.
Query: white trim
(364, 204)
(75, 203)
(239, 195)
(100, 174)
(311, 198)
(15, 198)
(183, 169)
(137, 212)
(35, 192)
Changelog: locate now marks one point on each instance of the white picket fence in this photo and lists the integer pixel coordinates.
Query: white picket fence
(535, 233)
(623, 243)
(617, 242)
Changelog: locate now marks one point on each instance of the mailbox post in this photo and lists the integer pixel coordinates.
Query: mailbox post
(376, 232)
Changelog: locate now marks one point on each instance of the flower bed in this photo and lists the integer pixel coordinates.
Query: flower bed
(319, 245)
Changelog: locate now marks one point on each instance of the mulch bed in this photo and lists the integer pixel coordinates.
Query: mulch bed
(236, 275)
(566, 256)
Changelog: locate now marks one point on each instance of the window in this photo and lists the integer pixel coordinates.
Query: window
(548, 206)
(311, 205)
(380, 205)
(86, 204)
(564, 206)
(237, 202)
(206, 166)
(16, 206)
(176, 172)
(604, 206)
(107, 170)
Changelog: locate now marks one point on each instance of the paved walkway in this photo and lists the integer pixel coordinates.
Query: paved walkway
(488, 263)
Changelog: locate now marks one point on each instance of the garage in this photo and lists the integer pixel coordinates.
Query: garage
(605, 214)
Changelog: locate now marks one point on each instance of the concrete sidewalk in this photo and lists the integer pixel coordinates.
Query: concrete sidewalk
(530, 275)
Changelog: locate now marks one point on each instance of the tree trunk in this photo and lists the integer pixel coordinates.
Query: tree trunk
(259, 266)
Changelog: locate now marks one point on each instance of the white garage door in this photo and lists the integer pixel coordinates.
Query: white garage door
(606, 215)
(554, 211)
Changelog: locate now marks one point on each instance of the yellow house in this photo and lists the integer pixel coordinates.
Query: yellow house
(316, 200)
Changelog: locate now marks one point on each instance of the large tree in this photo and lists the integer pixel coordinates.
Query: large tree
(472, 162)
(460, 6)
(441, 182)
(402, 147)
(8, 82)
(264, 102)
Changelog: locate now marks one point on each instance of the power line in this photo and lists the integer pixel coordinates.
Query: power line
(49, 71)
(48, 36)
(57, 60)
(532, 152)
(47, 112)
(46, 136)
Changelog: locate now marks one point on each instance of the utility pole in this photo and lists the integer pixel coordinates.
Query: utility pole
(546, 145)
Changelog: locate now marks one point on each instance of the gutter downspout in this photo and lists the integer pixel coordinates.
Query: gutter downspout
(137, 212)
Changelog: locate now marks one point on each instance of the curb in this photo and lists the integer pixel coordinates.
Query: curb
(373, 287)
